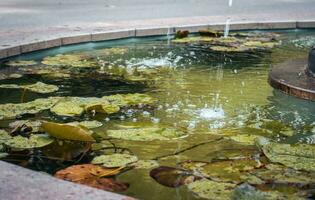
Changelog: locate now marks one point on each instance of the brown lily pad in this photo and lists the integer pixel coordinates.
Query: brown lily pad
(92, 175)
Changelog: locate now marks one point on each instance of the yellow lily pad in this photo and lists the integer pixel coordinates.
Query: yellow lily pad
(67, 132)
(21, 63)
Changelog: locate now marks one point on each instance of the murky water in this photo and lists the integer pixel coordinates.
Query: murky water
(208, 95)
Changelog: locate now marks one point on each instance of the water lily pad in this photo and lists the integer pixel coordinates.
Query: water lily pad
(298, 156)
(4, 136)
(115, 160)
(21, 63)
(146, 134)
(11, 110)
(226, 170)
(34, 125)
(87, 124)
(34, 141)
(212, 190)
(130, 99)
(246, 139)
(248, 192)
(92, 175)
(38, 87)
(146, 164)
(67, 132)
(102, 107)
(66, 107)
(69, 60)
(172, 177)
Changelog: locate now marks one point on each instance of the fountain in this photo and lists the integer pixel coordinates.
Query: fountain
(295, 77)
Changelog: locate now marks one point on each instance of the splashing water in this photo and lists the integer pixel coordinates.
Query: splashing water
(211, 113)
(230, 3)
(227, 27)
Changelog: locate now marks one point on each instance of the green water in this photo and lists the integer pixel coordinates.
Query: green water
(208, 95)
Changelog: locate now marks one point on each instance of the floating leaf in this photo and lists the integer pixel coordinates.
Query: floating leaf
(212, 190)
(69, 60)
(102, 107)
(21, 63)
(115, 160)
(246, 139)
(172, 177)
(34, 125)
(146, 164)
(87, 124)
(227, 170)
(248, 192)
(146, 134)
(67, 108)
(67, 132)
(34, 141)
(92, 175)
(11, 110)
(130, 99)
(298, 156)
(4, 136)
(38, 87)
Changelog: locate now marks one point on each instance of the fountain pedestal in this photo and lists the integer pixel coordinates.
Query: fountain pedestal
(295, 77)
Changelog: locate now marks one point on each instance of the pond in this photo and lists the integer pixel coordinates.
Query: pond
(183, 119)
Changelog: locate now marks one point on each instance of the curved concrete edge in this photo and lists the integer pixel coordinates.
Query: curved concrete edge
(144, 32)
(18, 183)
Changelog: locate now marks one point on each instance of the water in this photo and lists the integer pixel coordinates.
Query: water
(227, 28)
(203, 93)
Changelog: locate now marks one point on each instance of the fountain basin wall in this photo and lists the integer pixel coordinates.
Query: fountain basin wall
(143, 32)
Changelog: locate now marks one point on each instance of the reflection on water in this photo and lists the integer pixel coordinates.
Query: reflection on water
(205, 94)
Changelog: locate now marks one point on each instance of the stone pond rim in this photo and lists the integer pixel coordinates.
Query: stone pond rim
(295, 77)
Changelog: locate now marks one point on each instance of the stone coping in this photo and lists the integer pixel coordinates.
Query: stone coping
(145, 32)
(18, 183)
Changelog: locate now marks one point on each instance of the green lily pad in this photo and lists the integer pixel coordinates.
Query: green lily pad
(146, 164)
(87, 124)
(34, 141)
(69, 60)
(11, 110)
(66, 107)
(4, 136)
(115, 160)
(123, 100)
(146, 134)
(248, 192)
(67, 132)
(102, 107)
(246, 139)
(21, 63)
(35, 125)
(298, 156)
(227, 170)
(212, 190)
(38, 87)
(231, 49)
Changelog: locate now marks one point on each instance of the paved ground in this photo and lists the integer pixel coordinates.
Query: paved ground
(26, 20)
(17, 183)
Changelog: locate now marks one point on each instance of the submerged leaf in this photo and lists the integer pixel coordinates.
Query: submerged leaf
(212, 190)
(34, 141)
(115, 160)
(298, 156)
(38, 87)
(172, 177)
(67, 132)
(92, 175)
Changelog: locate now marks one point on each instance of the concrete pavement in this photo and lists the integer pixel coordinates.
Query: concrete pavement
(24, 21)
